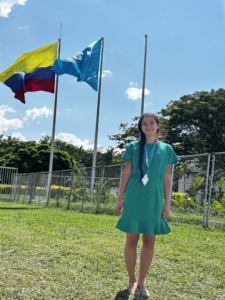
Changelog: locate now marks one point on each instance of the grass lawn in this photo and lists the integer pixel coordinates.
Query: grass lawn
(62, 254)
(107, 208)
(196, 217)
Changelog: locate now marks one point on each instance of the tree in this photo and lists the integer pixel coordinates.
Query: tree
(7, 141)
(131, 133)
(106, 157)
(83, 157)
(195, 123)
(32, 157)
(128, 135)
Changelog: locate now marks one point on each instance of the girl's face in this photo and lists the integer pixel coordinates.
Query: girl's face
(149, 126)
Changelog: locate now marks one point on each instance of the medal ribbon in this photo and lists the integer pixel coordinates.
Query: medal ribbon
(152, 153)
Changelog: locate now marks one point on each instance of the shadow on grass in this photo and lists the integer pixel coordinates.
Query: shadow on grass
(124, 295)
(18, 208)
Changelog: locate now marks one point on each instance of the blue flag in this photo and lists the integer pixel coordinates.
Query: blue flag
(84, 66)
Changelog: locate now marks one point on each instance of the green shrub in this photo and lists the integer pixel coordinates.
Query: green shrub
(180, 194)
(220, 195)
(55, 189)
(196, 184)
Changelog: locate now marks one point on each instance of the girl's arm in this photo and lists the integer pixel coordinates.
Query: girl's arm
(166, 186)
(125, 177)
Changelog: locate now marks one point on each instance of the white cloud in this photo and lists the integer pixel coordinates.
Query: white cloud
(135, 93)
(43, 133)
(106, 74)
(38, 122)
(19, 136)
(7, 5)
(5, 108)
(67, 109)
(32, 114)
(133, 83)
(24, 27)
(72, 139)
(148, 103)
(6, 124)
(16, 135)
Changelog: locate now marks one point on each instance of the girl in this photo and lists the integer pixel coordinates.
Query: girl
(147, 178)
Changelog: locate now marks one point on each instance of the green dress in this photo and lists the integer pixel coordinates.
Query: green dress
(143, 205)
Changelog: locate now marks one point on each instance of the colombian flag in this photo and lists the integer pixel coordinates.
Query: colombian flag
(32, 72)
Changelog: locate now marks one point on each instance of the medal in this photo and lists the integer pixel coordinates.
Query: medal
(145, 179)
(148, 163)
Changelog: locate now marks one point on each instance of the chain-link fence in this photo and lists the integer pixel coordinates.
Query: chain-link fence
(7, 184)
(197, 188)
(106, 189)
(71, 188)
(216, 197)
(190, 176)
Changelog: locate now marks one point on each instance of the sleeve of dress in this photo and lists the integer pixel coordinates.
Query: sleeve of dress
(172, 157)
(128, 154)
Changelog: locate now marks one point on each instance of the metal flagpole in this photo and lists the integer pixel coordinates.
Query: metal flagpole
(53, 134)
(96, 126)
(143, 86)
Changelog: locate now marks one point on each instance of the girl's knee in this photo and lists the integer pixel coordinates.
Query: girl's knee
(149, 241)
(132, 240)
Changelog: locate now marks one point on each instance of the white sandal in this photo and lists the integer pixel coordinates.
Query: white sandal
(133, 290)
(144, 292)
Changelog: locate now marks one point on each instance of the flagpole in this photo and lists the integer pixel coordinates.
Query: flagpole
(53, 133)
(143, 86)
(96, 126)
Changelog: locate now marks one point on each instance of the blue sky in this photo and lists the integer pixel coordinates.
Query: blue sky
(186, 49)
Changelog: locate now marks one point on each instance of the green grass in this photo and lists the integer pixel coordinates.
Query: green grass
(64, 255)
(197, 217)
(108, 208)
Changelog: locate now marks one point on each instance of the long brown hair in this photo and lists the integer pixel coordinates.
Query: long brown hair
(143, 139)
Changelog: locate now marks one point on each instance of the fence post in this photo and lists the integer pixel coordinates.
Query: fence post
(32, 187)
(12, 184)
(64, 179)
(210, 190)
(71, 188)
(25, 192)
(84, 192)
(100, 189)
(8, 184)
(19, 188)
(60, 183)
(171, 190)
(40, 188)
(10, 189)
(121, 173)
(206, 189)
(14, 196)
(1, 186)
(49, 186)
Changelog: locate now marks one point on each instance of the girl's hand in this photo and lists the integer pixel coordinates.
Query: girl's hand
(165, 211)
(119, 206)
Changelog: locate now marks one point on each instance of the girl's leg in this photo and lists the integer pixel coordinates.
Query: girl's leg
(146, 256)
(130, 254)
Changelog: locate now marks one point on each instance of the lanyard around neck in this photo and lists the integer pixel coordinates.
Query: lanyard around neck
(153, 150)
